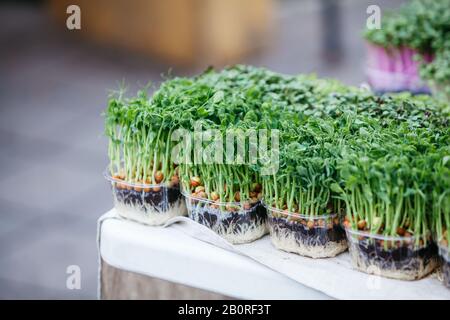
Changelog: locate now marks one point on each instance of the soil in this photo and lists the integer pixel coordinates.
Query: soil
(313, 242)
(236, 226)
(210, 217)
(401, 262)
(308, 236)
(162, 199)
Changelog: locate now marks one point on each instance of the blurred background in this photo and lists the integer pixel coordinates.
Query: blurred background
(54, 84)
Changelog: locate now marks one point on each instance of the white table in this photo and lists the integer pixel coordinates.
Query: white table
(192, 255)
(168, 254)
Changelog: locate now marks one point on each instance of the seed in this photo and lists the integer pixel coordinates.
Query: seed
(407, 234)
(362, 224)
(147, 189)
(401, 231)
(119, 175)
(138, 188)
(247, 205)
(199, 189)
(253, 194)
(230, 208)
(346, 224)
(237, 196)
(214, 196)
(321, 222)
(254, 200)
(156, 189)
(159, 176)
(195, 181)
(444, 243)
(202, 194)
(310, 224)
(303, 222)
(129, 187)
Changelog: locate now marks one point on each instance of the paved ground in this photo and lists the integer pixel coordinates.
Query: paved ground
(53, 88)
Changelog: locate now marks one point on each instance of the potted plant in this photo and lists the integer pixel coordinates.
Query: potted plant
(408, 38)
(385, 182)
(223, 196)
(144, 180)
(304, 218)
(441, 209)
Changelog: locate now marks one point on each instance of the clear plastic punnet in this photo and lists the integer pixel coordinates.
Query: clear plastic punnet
(404, 258)
(314, 237)
(445, 255)
(151, 204)
(237, 222)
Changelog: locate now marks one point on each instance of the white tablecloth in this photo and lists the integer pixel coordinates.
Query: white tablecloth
(186, 252)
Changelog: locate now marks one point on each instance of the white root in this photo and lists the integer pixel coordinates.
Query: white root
(148, 213)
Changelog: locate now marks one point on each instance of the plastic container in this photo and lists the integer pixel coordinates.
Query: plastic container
(391, 257)
(314, 237)
(394, 70)
(229, 219)
(445, 255)
(151, 204)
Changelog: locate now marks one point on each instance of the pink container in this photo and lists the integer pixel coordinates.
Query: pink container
(392, 70)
